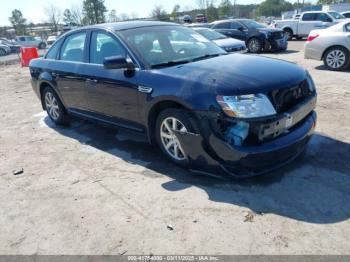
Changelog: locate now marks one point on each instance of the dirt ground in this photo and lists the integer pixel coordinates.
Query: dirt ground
(89, 189)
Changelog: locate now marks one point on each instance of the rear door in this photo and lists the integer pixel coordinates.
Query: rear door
(231, 29)
(69, 68)
(111, 93)
(311, 21)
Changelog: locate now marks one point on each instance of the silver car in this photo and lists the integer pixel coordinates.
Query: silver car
(4, 50)
(332, 45)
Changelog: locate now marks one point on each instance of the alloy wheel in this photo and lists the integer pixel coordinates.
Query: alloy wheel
(336, 59)
(52, 106)
(254, 46)
(169, 140)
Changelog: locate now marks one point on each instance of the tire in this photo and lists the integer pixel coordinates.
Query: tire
(336, 58)
(289, 33)
(2, 52)
(42, 46)
(184, 123)
(254, 45)
(54, 107)
(299, 38)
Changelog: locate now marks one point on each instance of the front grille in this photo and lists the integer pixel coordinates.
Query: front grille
(277, 35)
(285, 99)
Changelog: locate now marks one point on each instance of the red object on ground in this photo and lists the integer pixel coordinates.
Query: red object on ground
(27, 54)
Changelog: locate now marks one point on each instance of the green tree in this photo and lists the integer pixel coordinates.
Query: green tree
(159, 13)
(112, 16)
(68, 17)
(94, 11)
(18, 22)
(212, 12)
(225, 8)
(274, 7)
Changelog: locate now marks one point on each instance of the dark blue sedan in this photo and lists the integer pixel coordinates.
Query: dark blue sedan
(208, 110)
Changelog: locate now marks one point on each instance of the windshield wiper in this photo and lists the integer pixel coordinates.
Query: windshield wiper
(207, 56)
(171, 63)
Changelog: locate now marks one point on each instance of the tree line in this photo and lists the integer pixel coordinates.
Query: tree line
(95, 12)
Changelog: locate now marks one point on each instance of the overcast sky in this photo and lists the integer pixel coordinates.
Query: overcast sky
(33, 10)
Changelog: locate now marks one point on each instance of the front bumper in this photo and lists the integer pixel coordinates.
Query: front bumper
(275, 45)
(213, 155)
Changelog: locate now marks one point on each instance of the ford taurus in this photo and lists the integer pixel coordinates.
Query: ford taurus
(210, 111)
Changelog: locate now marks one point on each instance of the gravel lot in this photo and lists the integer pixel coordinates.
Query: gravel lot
(90, 190)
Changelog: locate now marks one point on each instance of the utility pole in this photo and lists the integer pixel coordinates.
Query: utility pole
(234, 8)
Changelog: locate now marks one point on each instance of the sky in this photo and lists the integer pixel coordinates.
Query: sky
(33, 10)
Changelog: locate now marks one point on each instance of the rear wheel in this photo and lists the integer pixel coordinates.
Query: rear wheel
(289, 34)
(336, 58)
(54, 107)
(254, 45)
(168, 121)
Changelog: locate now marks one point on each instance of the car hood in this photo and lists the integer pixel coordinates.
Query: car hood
(233, 74)
(229, 42)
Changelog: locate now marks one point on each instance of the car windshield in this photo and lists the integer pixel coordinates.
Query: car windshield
(169, 45)
(336, 15)
(210, 34)
(251, 24)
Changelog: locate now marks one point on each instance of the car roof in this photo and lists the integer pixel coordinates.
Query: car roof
(230, 20)
(119, 26)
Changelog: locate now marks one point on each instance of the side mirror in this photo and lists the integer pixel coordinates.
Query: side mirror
(241, 28)
(117, 62)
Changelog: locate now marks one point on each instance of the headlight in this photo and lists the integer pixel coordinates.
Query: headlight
(310, 82)
(246, 106)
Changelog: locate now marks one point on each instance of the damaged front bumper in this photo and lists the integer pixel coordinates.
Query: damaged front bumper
(283, 139)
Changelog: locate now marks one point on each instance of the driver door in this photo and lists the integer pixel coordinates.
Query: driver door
(111, 93)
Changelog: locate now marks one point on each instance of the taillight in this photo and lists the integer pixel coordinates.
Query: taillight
(311, 38)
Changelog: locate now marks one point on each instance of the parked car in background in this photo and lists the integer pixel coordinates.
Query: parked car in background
(4, 50)
(346, 14)
(51, 39)
(332, 45)
(212, 112)
(256, 36)
(227, 43)
(29, 41)
(307, 22)
(14, 48)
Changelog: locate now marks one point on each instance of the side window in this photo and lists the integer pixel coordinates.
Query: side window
(73, 48)
(235, 25)
(53, 51)
(104, 45)
(225, 25)
(22, 39)
(309, 17)
(322, 17)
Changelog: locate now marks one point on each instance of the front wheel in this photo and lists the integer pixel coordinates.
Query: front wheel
(337, 58)
(254, 45)
(289, 34)
(168, 121)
